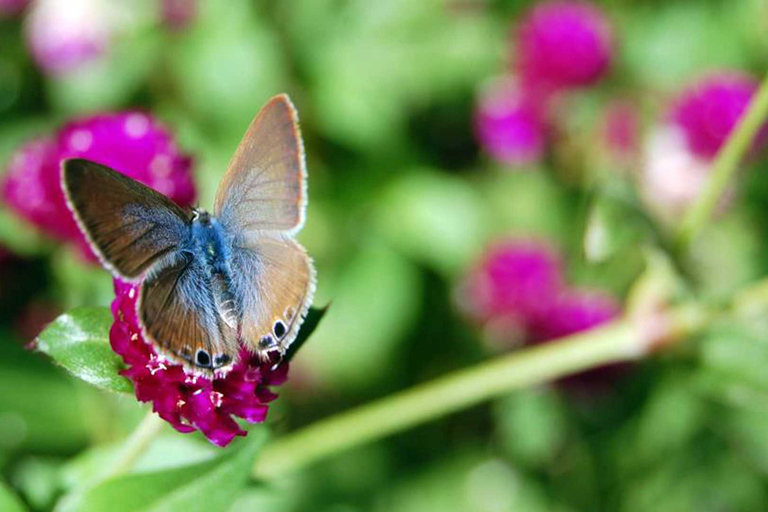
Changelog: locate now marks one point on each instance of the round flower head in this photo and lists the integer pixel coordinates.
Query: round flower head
(563, 44)
(516, 278)
(509, 124)
(574, 311)
(130, 142)
(186, 400)
(709, 110)
(672, 176)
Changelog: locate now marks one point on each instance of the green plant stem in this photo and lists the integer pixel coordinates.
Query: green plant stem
(724, 167)
(616, 342)
(135, 446)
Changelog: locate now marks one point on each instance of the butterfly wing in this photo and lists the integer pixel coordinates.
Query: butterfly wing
(178, 312)
(275, 279)
(130, 226)
(264, 187)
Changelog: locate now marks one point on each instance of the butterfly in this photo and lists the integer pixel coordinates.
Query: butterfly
(210, 283)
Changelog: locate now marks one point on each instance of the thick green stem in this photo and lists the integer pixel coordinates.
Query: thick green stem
(615, 342)
(724, 167)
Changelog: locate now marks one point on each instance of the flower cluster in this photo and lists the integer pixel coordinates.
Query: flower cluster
(560, 46)
(133, 143)
(678, 153)
(709, 110)
(189, 401)
(519, 283)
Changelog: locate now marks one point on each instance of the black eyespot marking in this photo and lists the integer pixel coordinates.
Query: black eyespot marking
(221, 360)
(279, 329)
(265, 341)
(203, 359)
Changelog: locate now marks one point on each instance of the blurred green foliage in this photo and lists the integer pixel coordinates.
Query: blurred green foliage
(402, 203)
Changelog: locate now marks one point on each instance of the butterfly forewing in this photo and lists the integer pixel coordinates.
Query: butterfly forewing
(178, 313)
(276, 281)
(264, 187)
(129, 225)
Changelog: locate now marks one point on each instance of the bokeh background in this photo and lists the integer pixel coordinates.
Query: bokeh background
(483, 175)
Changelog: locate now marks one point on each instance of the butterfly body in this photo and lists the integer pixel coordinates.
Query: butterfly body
(210, 283)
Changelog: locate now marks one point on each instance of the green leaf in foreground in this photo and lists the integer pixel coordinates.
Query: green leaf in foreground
(209, 486)
(8, 501)
(79, 342)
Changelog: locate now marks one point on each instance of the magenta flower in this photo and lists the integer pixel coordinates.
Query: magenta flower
(131, 142)
(708, 111)
(564, 44)
(516, 278)
(509, 123)
(573, 311)
(186, 400)
(12, 7)
(62, 36)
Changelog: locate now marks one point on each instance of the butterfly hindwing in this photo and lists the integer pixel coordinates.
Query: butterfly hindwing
(264, 187)
(178, 311)
(129, 225)
(275, 279)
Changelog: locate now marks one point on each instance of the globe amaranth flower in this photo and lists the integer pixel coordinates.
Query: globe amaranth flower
(516, 278)
(62, 36)
(563, 44)
(509, 123)
(573, 311)
(130, 142)
(186, 400)
(518, 294)
(708, 111)
(522, 280)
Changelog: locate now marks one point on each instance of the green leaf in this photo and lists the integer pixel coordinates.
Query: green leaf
(209, 486)
(307, 328)
(9, 502)
(79, 342)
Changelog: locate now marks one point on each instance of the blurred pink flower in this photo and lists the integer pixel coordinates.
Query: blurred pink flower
(575, 310)
(178, 14)
(509, 124)
(621, 131)
(672, 176)
(63, 35)
(563, 44)
(518, 292)
(516, 278)
(130, 142)
(186, 400)
(12, 7)
(708, 110)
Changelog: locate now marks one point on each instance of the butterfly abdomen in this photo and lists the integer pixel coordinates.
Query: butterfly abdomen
(212, 247)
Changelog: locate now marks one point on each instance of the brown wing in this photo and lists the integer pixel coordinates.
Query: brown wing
(275, 280)
(129, 225)
(178, 312)
(264, 187)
